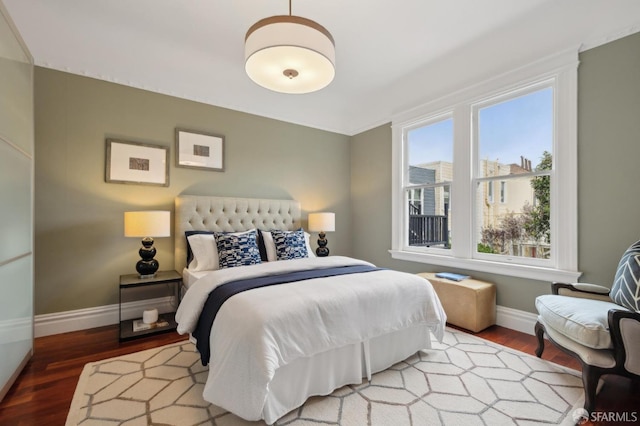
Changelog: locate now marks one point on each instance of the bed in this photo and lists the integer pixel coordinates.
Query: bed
(273, 347)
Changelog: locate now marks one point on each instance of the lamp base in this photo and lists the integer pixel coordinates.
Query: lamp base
(147, 266)
(144, 277)
(322, 250)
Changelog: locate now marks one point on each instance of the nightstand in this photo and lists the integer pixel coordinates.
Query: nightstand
(172, 280)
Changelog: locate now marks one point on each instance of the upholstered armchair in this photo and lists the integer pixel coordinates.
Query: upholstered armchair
(597, 325)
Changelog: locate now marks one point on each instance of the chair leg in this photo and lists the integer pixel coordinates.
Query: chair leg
(590, 377)
(540, 335)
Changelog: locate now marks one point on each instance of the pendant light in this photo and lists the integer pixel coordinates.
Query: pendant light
(289, 54)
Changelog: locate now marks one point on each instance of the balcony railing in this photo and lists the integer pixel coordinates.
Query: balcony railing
(428, 230)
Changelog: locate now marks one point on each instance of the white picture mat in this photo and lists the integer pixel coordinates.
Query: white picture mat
(186, 156)
(119, 170)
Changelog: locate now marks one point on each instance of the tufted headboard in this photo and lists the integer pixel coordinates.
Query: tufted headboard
(202, 213)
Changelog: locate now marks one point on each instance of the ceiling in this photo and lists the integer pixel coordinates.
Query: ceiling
(390, 55)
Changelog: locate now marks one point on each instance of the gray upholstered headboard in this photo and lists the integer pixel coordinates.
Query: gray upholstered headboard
(201, 213)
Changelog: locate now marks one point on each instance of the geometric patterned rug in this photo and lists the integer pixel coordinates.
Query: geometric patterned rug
(465, 380)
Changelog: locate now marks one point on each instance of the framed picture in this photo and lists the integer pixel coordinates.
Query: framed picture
(199, 150)
(137, 163)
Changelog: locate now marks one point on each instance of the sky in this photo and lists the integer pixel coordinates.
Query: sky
(518, 127)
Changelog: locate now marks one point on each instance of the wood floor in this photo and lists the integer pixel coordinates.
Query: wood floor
(43, 392)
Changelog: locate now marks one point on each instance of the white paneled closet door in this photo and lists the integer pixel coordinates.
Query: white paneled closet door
(16, 203)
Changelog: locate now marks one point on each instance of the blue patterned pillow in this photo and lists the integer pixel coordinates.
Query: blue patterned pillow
(237, 250)
(290, 244)
(626, 285)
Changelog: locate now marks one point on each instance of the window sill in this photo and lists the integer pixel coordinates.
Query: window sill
(512, 270)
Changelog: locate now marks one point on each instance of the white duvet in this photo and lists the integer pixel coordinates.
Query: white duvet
(257, 331)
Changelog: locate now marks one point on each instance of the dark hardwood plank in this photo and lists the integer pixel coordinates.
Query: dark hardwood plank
(43, 392)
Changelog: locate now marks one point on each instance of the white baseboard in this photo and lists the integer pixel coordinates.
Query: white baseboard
(82, 319)
(516, 320)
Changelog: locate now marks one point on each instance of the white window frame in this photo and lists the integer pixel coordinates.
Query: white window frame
(558, 71)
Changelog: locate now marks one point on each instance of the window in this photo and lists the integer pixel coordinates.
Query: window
(490, 192)
(430, 173)
(515, 135)
(515, 146)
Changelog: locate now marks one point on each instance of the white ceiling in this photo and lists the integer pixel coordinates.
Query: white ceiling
(390, 54)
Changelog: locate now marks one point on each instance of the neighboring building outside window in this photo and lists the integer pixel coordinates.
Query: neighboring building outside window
(415, 201)
(516, 133)
(490, 192)
(430, 171)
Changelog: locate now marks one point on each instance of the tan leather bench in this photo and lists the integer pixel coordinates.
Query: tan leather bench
(470, 304)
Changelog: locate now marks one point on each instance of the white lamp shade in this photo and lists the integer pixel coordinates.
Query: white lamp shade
(322, 222)
(289, 54)
(147, 224)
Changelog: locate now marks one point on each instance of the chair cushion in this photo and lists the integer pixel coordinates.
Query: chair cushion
(626, 285)
(584, 321)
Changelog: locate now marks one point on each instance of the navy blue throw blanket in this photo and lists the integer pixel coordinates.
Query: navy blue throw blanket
(221, 293)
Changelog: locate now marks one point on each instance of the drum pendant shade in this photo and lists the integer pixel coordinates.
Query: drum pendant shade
(289, 54)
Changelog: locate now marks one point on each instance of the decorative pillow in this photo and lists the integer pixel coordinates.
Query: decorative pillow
(261, 246)
(203, 251)
(626, 285)
(237, 250)
(270, 246)
(290, 244)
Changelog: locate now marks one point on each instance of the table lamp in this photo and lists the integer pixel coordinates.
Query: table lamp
(147, 224)
(322, 222)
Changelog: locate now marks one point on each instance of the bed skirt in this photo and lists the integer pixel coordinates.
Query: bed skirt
(321, 374)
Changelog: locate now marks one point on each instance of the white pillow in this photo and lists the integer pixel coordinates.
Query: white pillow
(270, 245)
(310, 252)
(205, 251)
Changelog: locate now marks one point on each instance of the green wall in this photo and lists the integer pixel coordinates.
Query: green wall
(80, 247)
(608, 154)
(371, 193)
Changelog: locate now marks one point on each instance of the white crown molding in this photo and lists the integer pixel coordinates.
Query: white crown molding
(366, 91)
(369, 126)
(599, 41)
(199, 99)
(358, 127)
